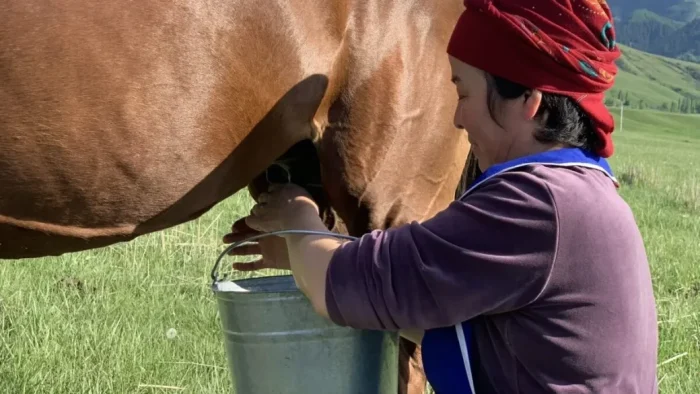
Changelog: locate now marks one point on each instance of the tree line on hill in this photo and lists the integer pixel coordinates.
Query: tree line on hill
(684, 105)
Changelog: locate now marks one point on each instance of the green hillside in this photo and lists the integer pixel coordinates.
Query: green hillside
(680, 128)
(679, 10)
(655, 82)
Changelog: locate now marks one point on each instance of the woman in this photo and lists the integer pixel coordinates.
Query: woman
(536, 280)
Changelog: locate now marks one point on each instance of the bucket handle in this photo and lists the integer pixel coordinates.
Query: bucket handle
(215, 271)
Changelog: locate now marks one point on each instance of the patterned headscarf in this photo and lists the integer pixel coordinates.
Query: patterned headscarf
(559, 46)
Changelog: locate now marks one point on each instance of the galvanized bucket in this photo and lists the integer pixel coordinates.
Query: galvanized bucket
(277, 344)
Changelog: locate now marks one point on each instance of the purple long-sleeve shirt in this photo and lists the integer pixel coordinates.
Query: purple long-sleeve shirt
(548, 263)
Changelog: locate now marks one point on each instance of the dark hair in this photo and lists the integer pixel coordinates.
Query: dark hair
(561, 118)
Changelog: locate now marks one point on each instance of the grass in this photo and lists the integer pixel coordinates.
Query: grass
(658, 162)
(96, 322)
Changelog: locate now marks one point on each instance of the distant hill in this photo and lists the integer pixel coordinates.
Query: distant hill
(664, 27)
(683, 43)
(644, 29)
(649, 81)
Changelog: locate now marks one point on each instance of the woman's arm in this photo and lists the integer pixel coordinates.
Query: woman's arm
(309, 257)
(289, 207)
(490, 253)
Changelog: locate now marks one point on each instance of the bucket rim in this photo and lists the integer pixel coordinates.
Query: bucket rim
(243, 286)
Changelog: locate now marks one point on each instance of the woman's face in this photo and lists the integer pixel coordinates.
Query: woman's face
(492, 143)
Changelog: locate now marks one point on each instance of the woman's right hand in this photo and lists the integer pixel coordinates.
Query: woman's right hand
(272, 248)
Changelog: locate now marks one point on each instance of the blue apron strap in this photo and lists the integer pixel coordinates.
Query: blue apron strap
(449, 359)
(464, 349)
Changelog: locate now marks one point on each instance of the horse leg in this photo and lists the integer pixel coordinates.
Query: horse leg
(412, 378)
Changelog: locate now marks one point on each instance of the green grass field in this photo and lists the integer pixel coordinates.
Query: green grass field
(96, 322)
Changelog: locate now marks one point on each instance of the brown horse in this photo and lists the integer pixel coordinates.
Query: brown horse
(119, 119)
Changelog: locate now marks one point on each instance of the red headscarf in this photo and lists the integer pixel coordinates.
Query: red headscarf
(558, 46)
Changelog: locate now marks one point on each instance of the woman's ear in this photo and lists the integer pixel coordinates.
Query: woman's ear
(531, 103)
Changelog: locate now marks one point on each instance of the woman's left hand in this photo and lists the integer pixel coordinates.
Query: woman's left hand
(272, 248)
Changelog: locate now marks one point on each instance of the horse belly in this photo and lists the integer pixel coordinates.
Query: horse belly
(122, 119)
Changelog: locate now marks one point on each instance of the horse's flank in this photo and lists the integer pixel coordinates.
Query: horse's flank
(119, 119)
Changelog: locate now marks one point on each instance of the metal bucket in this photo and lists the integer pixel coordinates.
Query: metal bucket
(276, 343)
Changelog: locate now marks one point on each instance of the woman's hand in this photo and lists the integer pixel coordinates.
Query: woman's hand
(283, 207)
(289, 207)
(272, 248)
